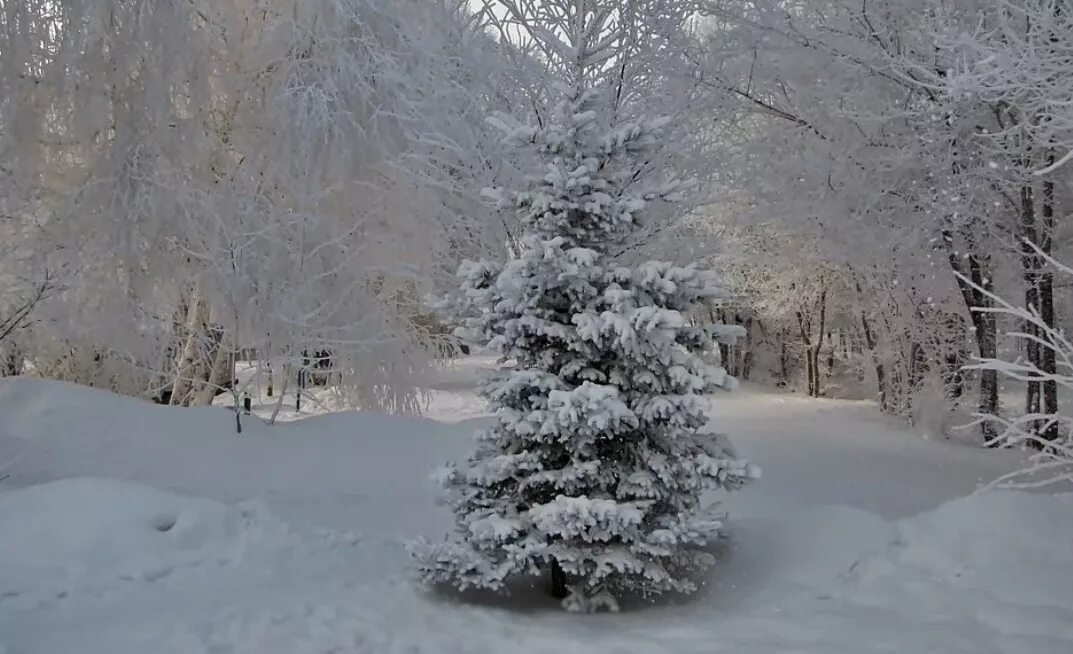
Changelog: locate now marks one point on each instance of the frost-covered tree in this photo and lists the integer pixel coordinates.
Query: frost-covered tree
(221, 178)
(1047, 431)
(847, 125)
(594, 470)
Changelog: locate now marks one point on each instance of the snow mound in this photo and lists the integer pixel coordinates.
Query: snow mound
(847, 549)
(90, 533)
(1013, 545)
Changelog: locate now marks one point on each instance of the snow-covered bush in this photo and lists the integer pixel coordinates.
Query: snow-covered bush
(596, 464)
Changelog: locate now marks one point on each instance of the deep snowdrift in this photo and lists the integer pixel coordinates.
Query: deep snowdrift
(289, 539)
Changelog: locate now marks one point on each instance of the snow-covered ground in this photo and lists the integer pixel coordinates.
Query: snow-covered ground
(131, 528)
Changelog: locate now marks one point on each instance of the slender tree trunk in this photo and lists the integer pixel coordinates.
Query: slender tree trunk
(804, 330)
(817, 389)
(877, 362)
(987, 341)
(782, 360)
(831, 348)
(1047, 362)
(1030, 265)
(747, 353)
(984, 324)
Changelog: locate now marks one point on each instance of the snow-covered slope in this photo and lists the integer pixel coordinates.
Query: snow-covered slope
(126, 527)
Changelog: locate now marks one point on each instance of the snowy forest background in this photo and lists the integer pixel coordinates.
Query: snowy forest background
(272, 270)
(193, 185)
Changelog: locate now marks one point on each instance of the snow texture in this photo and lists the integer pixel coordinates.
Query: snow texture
(861, 540)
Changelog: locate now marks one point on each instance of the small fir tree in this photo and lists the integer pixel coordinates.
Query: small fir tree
(595, 467)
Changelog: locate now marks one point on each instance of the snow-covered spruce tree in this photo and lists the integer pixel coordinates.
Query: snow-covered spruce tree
(595, 467)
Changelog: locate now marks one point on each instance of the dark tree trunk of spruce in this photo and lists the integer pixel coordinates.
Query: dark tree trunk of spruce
(557, 585)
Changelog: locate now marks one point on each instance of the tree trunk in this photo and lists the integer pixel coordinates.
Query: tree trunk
(1030, 265)
(1047, 362)
(984, 325)
(190, 356)
(987, 341)
(804, 330)
(782, 360)
(832, 347)
(747, 353)
(218, 377)
(816, 388)
(557, 586)
(877, 362)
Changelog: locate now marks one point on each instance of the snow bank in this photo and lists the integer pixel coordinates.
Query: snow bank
(850, 547)
(87, 533)
(1012, 545)
(328, 470)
